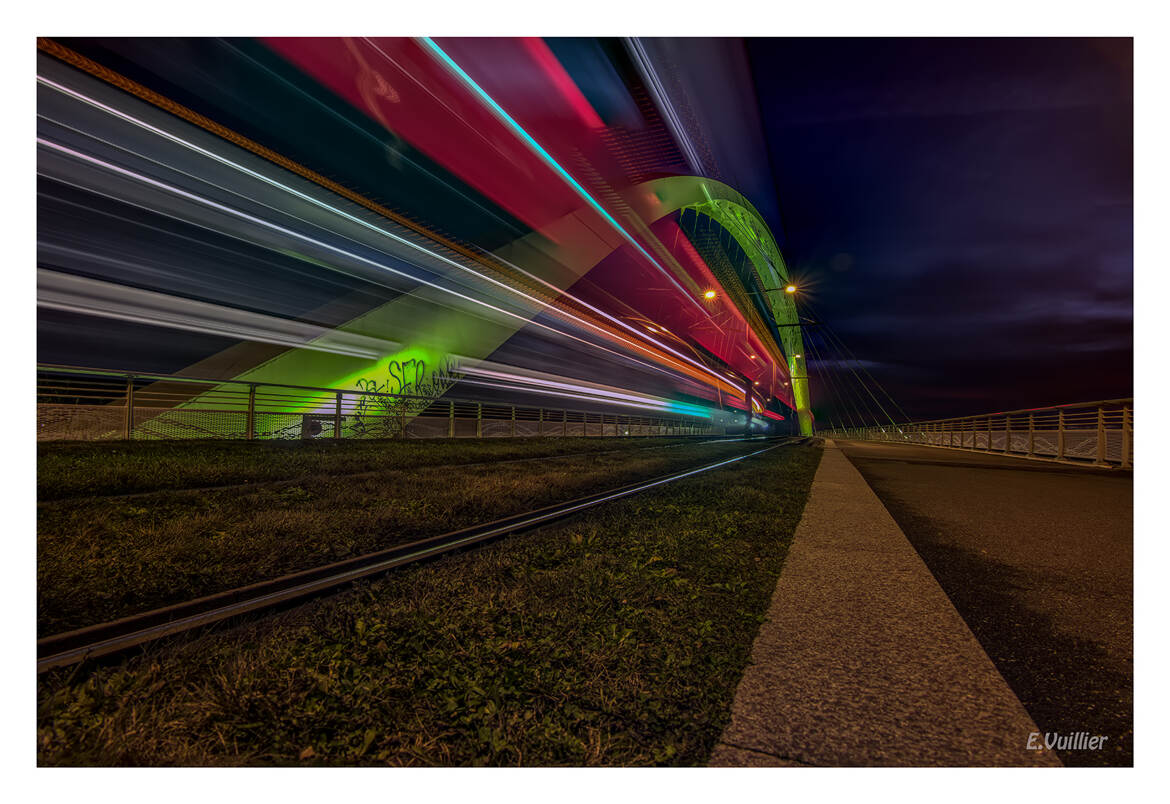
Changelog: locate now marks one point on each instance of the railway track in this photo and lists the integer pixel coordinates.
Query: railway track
(107, 639)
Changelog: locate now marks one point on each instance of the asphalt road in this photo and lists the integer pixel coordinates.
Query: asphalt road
(1038, 560)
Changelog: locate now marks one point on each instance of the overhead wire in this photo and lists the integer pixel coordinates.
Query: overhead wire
(829, 381)
(833, 334)
(848, 393)
(850, 357)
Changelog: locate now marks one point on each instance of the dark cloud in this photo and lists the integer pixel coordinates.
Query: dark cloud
(961, 210)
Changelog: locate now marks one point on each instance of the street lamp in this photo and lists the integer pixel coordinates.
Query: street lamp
(790, 289)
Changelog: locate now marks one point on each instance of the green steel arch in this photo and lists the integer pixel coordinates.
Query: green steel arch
(727, 207)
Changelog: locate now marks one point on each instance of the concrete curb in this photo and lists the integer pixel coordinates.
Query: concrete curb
(864, 660)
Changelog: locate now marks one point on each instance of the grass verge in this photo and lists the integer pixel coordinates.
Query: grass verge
(613, 639)
(68, 470)
(107, 557)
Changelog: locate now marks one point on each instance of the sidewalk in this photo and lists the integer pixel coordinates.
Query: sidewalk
(863, 659)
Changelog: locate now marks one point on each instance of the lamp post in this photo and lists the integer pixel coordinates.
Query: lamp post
(793, 345)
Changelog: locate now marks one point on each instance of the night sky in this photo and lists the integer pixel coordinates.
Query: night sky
(960, 211)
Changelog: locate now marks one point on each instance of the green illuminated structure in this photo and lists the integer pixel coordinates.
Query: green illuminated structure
(729, 209)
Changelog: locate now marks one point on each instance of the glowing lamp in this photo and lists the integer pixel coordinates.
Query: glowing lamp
(710, 294)
(790, 289)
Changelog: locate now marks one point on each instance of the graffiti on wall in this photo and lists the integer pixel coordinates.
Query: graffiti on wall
(408, 389)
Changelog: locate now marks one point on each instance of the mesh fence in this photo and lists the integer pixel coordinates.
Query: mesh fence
(85, 405)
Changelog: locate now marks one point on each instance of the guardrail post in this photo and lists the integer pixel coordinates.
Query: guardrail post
(1031, 434)
(1126, 437)
(451, 419)
(129, 431)
(1007, 434)
(989, 434)
(1060, 435)
(540, 423)
(337, 418)
(564, 423)
(1102, 438)
(479, 420)
(251, 412)
(513, 421)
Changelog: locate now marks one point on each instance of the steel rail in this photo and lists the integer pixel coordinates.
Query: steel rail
(105, 639)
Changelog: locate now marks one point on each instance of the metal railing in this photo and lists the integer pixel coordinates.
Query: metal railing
(81, 404)
(1098, 433)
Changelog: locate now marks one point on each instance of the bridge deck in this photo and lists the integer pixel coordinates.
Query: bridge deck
(1038, 559)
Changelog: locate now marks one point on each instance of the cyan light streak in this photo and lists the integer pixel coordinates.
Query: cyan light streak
(539, 150)
(526, 382)
(359, 131)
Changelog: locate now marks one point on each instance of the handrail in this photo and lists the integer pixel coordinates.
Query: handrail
(1064, 406)
(1100, 432)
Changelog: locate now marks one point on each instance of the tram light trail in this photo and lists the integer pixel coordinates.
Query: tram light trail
(177, 212)
(331, 209)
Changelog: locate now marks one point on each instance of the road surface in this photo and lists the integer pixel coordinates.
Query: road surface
(1038, 559)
